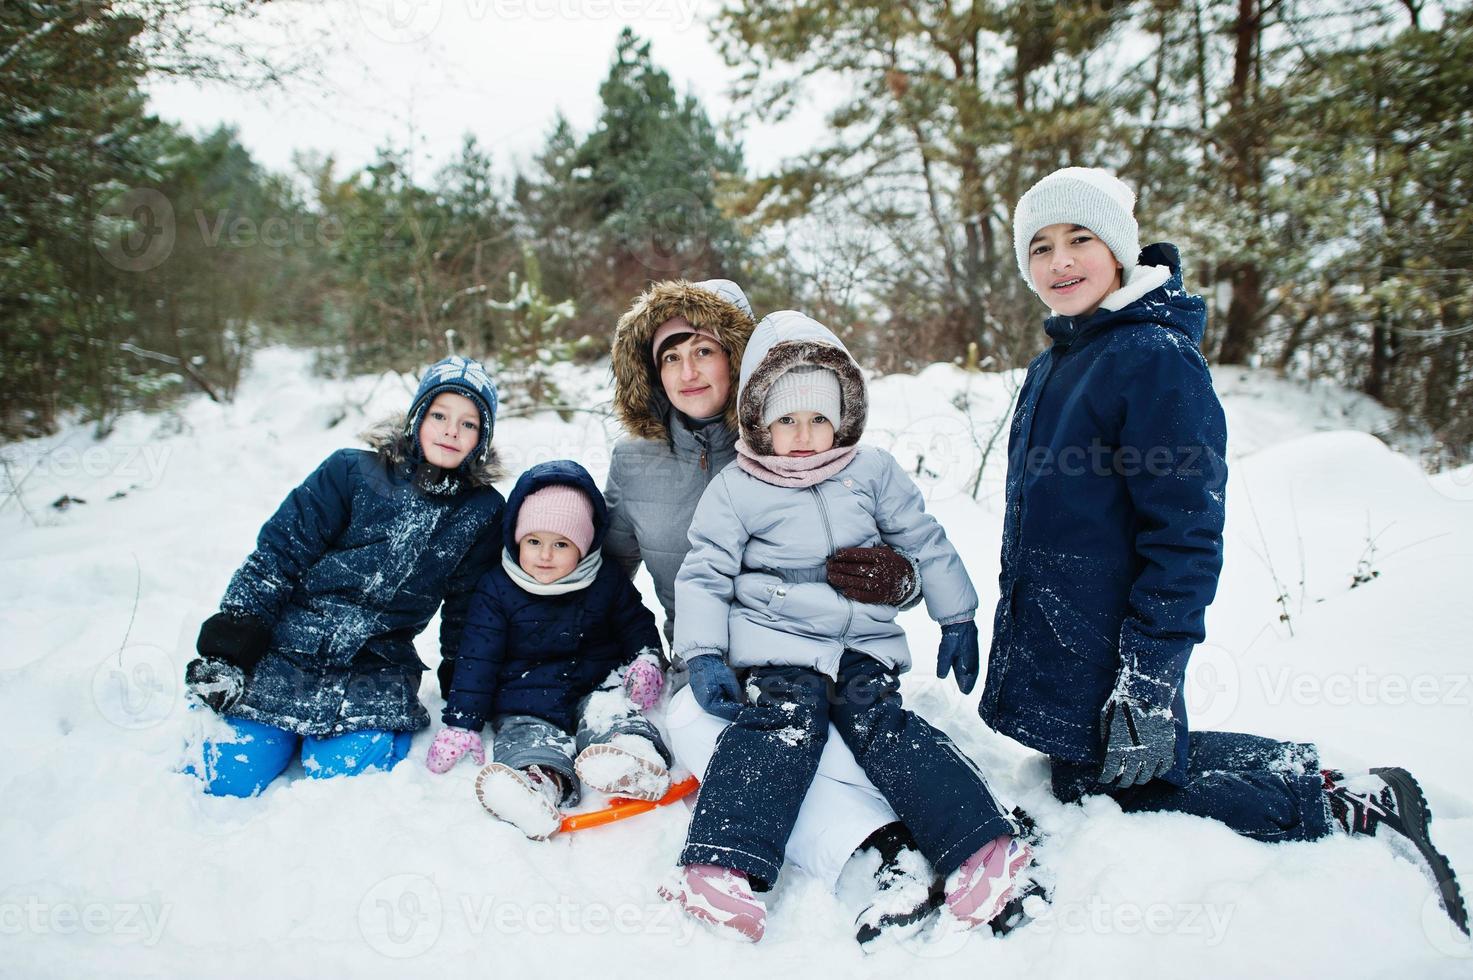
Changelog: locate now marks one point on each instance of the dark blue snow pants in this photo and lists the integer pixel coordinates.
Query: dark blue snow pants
(1259, 787)
(766, 758)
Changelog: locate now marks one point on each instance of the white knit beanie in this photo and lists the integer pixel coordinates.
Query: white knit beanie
(804, 388)
(1085, 196)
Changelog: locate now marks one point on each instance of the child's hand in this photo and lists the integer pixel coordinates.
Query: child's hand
(643, 681)
(715, 686)
(450, 745)
(959, 653)
(217, 683)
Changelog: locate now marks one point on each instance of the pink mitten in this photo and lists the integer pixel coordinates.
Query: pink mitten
(450, 745)
(643, 681)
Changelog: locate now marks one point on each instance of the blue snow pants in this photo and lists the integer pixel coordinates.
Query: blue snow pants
(1259, 787)
(259, 753)
(766, 758)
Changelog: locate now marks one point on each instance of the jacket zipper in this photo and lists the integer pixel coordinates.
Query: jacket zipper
(828, 530)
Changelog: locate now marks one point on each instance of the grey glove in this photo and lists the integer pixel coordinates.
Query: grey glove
(1140, 742)
(217, 683)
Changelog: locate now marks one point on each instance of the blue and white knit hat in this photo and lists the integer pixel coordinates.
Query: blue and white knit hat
(1085, 196)
(465, 377)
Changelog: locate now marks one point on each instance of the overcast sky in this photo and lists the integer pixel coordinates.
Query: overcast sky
(431, 70)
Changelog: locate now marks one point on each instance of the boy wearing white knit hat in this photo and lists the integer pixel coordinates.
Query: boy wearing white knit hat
(1112, 545)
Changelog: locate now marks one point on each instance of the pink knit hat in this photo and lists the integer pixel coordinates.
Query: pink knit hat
(675, 325)
(558, 509)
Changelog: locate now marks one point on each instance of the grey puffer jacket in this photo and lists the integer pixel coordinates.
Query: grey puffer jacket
(753, 586)
(659, 471)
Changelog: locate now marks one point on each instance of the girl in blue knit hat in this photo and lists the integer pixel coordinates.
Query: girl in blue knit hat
(312, 651)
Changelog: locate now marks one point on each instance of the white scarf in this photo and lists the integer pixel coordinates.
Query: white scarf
(579, 578)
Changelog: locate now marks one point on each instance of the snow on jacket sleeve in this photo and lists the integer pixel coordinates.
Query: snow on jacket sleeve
(620, 541)
(479, 560)
(1176, 438)
(293, 539)
(706, 583)
(633, 624)
(905, 526)
(482, 647)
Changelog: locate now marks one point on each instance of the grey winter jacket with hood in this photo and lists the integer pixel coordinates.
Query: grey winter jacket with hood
(753, 586)
(659, 471)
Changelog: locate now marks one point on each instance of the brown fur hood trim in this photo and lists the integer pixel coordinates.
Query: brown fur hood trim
(387, 438)
(782, 341)
(717, 304)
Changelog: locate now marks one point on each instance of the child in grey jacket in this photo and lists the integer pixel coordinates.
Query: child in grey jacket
(752, 595)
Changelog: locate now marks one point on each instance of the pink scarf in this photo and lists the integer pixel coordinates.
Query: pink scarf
(794, 471)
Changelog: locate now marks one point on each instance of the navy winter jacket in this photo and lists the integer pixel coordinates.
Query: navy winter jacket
(346, 573)
(540, 655)
(1112, 536)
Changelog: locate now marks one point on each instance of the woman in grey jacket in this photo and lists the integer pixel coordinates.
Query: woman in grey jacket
(680, 416)
(753, 594)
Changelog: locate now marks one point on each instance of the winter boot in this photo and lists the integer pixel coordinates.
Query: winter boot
(719, 897)
(1390, 798)
(907, 892)
(1030, 893)
(624, 768)
(525, 798)
(977, 891)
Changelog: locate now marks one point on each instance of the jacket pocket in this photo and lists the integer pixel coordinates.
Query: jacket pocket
(1045, 618)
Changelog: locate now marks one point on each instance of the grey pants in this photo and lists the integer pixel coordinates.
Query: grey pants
(526, 740)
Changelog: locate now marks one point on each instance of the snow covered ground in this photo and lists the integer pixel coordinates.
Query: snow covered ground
(113, 864)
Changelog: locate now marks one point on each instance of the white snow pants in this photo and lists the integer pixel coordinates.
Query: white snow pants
(842, 807)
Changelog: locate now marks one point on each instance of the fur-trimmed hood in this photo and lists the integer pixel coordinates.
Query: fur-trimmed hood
(716, 304)
(387, 438)
(782, 341)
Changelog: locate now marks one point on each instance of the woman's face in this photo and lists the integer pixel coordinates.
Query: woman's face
(696, 375)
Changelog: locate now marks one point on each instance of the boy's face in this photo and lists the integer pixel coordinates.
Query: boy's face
(450, 430)
(547, 557)
(696, 375)
(801, 434)
(1072, 269)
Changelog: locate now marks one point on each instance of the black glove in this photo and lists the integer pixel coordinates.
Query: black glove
(1140, 742)
(715, 686)
(879, 576)
(235, 638)
(217, 683)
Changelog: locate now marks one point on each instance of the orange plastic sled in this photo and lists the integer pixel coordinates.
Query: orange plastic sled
(619, 809)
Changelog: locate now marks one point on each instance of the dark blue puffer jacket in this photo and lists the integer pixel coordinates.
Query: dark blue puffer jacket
(347, 572)
(1112, 536)
(540, 655)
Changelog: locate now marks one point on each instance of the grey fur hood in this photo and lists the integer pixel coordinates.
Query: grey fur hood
(782, 341)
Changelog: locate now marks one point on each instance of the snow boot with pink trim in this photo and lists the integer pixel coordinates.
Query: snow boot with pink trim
(719, 897)
(978, 890)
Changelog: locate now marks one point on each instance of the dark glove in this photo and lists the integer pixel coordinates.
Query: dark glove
(235, 638)
(958, 653)
(880, 576)
(715, 686)
(1140, 742)
(215, 682)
